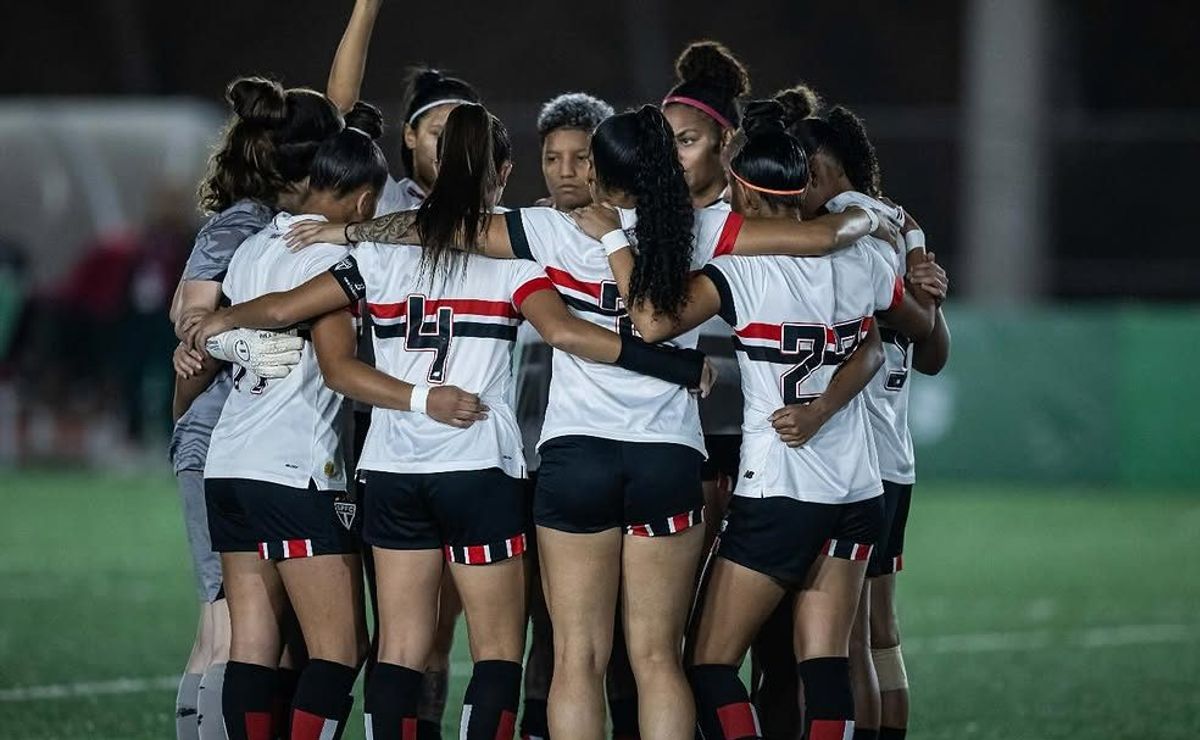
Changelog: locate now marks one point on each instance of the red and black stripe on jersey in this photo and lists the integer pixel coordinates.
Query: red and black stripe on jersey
(464, 317)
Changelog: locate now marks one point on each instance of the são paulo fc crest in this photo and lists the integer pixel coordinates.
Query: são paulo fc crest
(345, 513)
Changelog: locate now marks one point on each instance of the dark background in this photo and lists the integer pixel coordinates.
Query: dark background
(1124, 96)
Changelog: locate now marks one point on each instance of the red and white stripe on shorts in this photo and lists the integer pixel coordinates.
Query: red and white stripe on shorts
(484, 554)
(285, 549)
(670, 525)
(847, 550)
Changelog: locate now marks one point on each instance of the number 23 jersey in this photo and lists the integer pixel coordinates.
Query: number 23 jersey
(455, 329)
(795, 321)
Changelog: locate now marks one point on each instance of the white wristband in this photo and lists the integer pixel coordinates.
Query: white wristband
(614, 241)
(914, 239)
(416, 402)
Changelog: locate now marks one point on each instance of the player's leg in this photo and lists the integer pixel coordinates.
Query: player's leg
(212, 684)
(662, 551)
(539, 663)
(257, 601)
(755, 564)
(885, 625)
(484, 520)
(863, 682)
(824, 614)
(435, 682)
(775, 689)
(578, 513)
(291, 663)
(409, 562)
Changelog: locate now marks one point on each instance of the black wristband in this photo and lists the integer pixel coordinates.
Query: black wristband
(346, 233)
(672, 364)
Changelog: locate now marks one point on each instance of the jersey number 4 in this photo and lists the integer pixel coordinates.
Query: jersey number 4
(814, 345)
(435, 337)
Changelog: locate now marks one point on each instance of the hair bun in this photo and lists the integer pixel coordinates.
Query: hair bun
(426, 78)
(366, 118)
(714, 64)
(257, 101)
(798, 103)
(761, 116)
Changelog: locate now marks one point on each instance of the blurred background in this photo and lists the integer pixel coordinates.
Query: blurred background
(1048, 148)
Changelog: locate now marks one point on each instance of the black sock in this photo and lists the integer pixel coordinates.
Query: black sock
(892, 733)
(286, 680)
(427, 729)
(391, 701)
(321, 699)
(624, 713)
(723, 708)
(490, 708)
(534, 723)
(863, 734)
(828, 698)
(246, 700)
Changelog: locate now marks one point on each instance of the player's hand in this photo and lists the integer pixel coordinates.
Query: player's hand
(211, 325)
(797, 423)
(189, 319)
(889, 230)
(596, 220)
(708, 378)
(306, 233)
(187, 361)
(267, 354)
(454, 406)
(930, 277)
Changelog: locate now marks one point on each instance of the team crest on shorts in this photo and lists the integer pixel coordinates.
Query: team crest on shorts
(345, 513)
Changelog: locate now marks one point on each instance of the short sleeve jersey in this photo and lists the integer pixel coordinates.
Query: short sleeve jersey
(281, 430)
(399, 195)
(795, 321)
(215, 244)
(887, 395)
(594, 399)
(454, 329)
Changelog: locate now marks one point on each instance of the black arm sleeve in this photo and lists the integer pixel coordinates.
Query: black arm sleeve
(728, 312)
(516, 235)
(350, 279)
(672, 364)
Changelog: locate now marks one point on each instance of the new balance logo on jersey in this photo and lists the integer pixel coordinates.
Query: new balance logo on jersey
(346, 512)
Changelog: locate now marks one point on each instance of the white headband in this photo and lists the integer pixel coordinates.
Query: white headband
(358, 130)
(429, 106)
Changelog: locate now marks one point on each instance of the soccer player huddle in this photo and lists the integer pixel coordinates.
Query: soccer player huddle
(346, 405)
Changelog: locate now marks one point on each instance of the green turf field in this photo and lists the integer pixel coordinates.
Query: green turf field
(1028, 613)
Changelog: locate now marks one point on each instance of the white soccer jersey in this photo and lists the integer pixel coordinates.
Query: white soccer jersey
(887, 394)
(795, 321)
(282, 430)
(399, 195)
(594, 399)
(464, 337)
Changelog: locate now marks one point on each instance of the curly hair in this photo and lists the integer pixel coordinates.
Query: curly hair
(269, 143)
(572, 110)
(842, 135)
(635, 152)
(799, 102)
(708, 71)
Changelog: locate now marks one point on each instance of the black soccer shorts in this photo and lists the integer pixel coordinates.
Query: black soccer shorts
(782, 537)
(888, 556)
(475, 517)
(279, 522)
(588, 484)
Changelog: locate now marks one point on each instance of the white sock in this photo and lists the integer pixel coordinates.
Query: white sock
(187, 721)
(211, 719)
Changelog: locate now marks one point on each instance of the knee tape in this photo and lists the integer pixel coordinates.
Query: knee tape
(889, 667)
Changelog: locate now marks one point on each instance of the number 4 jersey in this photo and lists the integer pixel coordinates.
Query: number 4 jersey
(454, 329)
(282, 430)
(795, 321)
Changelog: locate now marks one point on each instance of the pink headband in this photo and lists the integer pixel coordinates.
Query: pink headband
(700, 106)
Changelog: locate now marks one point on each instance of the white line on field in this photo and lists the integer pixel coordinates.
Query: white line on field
(982, 642)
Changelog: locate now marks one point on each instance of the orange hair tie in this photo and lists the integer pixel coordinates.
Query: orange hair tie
(768, 191)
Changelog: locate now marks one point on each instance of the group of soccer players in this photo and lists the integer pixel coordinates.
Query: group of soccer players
(322, 284)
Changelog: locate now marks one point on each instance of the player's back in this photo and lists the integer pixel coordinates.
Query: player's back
(795, 321)
(280, 430)
(457, 327)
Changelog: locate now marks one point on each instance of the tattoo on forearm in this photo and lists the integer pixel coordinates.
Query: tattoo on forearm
(394, 228)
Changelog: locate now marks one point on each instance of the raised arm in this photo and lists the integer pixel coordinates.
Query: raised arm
(350, 61)
(335, 343)
(394, 228)
(565, 331)
(318, 296)
(798, 423)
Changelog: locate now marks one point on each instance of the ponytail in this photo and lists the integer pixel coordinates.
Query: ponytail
(472, 148)
(635, 152)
